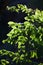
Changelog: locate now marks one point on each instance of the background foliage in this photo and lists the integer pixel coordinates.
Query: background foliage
(27, 38)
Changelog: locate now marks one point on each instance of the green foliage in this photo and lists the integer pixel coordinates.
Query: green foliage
(28, 36)
(4, 62)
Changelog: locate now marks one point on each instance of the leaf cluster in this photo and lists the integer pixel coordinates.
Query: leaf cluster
(28, 36)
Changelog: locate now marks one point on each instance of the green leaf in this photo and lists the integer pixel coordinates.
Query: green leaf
(33, 54)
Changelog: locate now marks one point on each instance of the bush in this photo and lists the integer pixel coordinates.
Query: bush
(27, 37)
